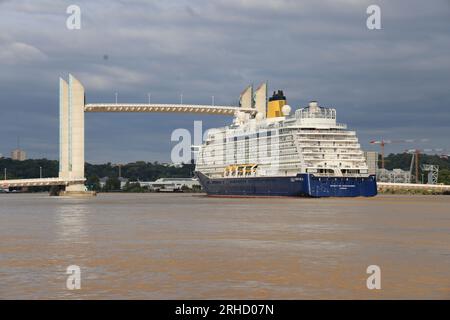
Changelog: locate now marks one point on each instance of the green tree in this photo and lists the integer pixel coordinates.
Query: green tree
(133, 187)
(444, 176)
(93, 183)
(112, 184)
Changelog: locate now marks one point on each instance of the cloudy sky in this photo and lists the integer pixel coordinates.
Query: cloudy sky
(392, 83)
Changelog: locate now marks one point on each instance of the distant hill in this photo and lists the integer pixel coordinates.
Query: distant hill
(144, 171)
(28, 168)
(403, 161)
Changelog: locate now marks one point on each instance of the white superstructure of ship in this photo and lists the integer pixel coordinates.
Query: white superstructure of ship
(276, 142)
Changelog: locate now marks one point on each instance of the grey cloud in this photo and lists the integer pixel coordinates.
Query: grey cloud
(389, 82)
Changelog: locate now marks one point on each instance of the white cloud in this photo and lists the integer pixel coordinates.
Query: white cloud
(19, 52)
(109, 77)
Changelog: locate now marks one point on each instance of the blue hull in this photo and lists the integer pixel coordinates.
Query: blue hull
(302, 185)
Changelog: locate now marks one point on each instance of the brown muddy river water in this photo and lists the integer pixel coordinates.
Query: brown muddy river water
(184, 246)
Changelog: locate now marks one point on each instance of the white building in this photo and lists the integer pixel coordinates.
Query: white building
(372, 161)
(170, 184)
(393, 176)
(18, 154)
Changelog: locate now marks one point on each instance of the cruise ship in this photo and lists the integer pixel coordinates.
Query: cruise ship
(273, 152)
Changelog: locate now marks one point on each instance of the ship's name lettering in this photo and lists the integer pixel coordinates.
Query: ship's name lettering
(342, 185)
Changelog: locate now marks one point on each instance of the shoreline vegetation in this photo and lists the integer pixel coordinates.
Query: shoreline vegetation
(151, 171)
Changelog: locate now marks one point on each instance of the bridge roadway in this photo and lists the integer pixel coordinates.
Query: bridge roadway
(42, 182)
(181, 108)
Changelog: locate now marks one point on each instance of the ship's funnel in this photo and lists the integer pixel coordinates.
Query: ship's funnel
(275, 105)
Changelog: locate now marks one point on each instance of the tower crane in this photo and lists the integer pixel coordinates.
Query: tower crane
(383, 142)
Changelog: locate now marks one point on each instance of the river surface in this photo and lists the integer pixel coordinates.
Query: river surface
(189, 246)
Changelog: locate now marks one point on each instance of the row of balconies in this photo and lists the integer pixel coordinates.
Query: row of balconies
(335, 139)
(327, 132)
(326, 145)
(317, 151)
(327, 157)
(337, 166)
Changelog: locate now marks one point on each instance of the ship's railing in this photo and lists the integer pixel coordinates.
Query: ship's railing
(328, 132)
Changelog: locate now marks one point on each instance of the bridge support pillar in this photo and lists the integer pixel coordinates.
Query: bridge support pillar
(63, 129)
(71, 106)
(76, 192)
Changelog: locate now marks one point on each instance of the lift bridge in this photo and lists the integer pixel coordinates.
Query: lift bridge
(72, 108)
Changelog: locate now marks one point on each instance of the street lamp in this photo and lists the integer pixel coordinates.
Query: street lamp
(40, 172)
(116, 97)
(5, 173)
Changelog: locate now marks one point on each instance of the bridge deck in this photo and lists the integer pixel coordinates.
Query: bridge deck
(183, 108)
(38, 182)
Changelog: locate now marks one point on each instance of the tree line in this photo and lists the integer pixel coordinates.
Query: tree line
(150, 171)
(140, 170)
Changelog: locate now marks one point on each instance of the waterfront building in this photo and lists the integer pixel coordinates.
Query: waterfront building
(170, 184)
(372, 161)
(18, 154)
(393, 176)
